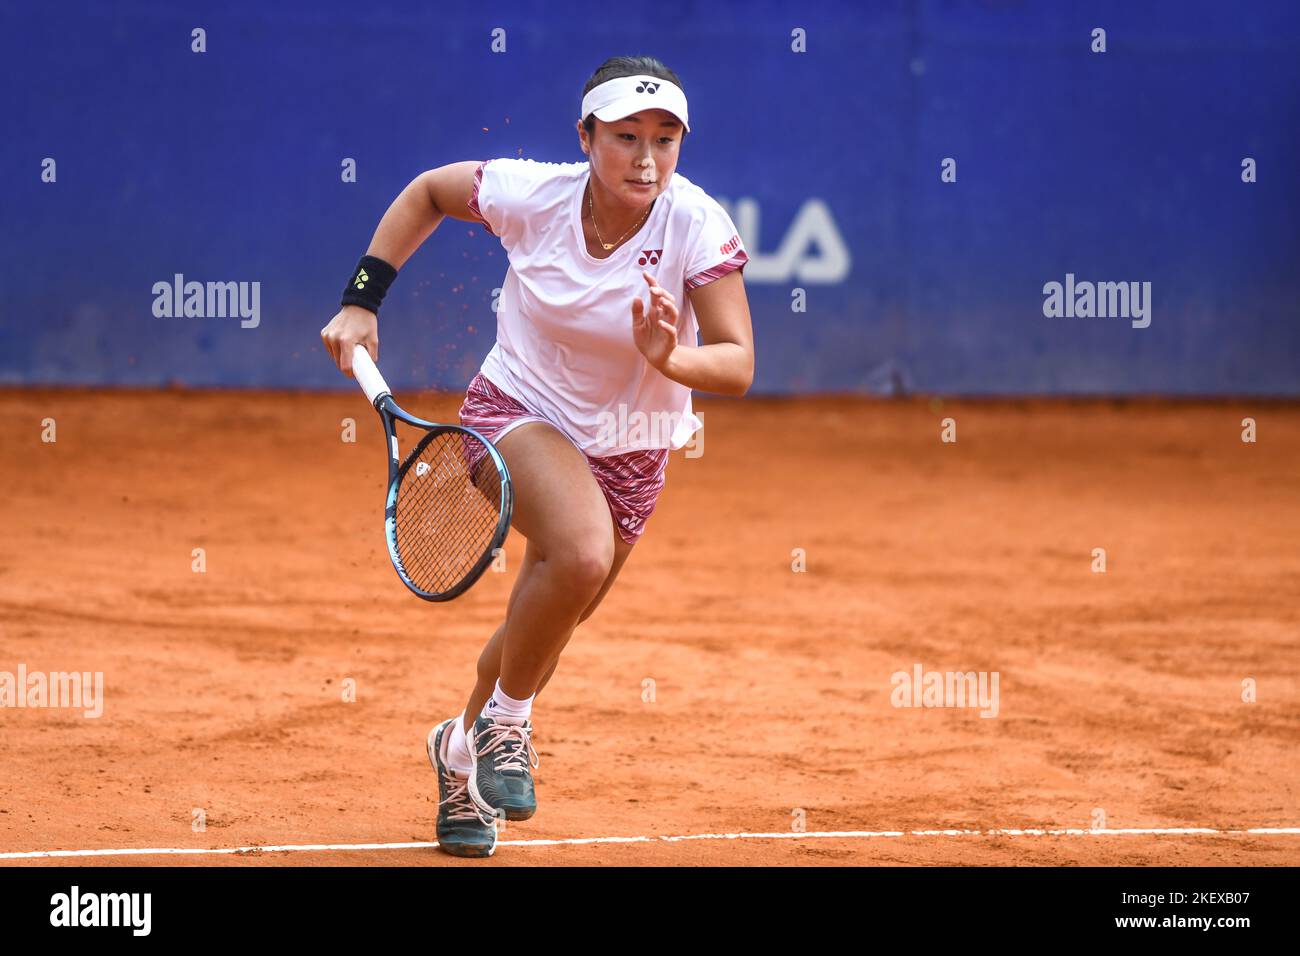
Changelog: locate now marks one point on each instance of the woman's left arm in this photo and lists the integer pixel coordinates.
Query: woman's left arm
(724, 364)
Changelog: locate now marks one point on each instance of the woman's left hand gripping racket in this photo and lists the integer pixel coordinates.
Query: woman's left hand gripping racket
(449, 500)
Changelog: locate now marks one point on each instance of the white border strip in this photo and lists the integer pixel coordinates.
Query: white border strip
(584, 841)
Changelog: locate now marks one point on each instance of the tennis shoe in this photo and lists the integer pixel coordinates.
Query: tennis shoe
(503, 754)
(464, 829)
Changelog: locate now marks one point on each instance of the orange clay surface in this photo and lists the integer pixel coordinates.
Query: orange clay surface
(1119, 691)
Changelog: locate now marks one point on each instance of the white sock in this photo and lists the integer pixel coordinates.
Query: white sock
(458, 758)
(501, 704)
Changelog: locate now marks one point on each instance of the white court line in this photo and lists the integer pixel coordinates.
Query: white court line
(583, 841)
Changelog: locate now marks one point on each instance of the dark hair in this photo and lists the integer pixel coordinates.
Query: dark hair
(617, 66)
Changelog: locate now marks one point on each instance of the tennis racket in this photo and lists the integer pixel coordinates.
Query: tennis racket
(449, 500)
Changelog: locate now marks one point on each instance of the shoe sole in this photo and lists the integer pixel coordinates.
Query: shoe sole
(430, 746)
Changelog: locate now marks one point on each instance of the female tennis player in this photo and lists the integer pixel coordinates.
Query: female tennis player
(616, 265)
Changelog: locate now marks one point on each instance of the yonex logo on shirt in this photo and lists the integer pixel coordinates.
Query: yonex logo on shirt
(650, 256)
(730, 245)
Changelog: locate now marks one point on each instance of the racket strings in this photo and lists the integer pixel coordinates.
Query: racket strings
(448, 510)
(443, 517)
(441, 536)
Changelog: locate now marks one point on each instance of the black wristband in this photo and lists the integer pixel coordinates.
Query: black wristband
(369, 283)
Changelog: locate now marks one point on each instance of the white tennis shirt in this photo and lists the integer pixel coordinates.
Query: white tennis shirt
(564, 318)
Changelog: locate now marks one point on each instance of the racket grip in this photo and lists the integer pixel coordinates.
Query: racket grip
(367, 375)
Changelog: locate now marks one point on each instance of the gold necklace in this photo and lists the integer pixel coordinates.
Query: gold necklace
(591, 204)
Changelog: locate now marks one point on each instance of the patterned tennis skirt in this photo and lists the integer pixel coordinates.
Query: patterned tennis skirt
(631, 482)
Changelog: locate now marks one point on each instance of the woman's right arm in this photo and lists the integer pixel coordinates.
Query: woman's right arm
(410, 220)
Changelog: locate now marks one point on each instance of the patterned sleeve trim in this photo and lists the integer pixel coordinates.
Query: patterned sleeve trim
(473, 199)
(717, 272)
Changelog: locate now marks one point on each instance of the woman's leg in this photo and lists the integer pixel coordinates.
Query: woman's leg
(621, 552)
(562, 512)
(489, 661)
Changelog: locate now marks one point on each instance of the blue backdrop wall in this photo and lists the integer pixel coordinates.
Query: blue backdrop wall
(225, 165)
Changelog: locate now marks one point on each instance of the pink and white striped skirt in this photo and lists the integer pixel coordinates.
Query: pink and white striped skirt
(630, 482)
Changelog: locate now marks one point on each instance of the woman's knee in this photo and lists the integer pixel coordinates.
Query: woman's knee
(582, 565)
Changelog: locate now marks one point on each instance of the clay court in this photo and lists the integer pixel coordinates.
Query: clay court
(771, 710)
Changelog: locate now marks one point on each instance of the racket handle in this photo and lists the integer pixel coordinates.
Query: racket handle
(367, 375)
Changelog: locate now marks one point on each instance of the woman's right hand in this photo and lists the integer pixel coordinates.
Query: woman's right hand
(353, 326)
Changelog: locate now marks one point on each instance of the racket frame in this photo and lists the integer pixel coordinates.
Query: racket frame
(381, 398)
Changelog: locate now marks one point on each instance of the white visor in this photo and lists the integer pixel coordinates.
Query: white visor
(621, 97)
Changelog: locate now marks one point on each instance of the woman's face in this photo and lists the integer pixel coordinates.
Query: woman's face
(634, 158)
